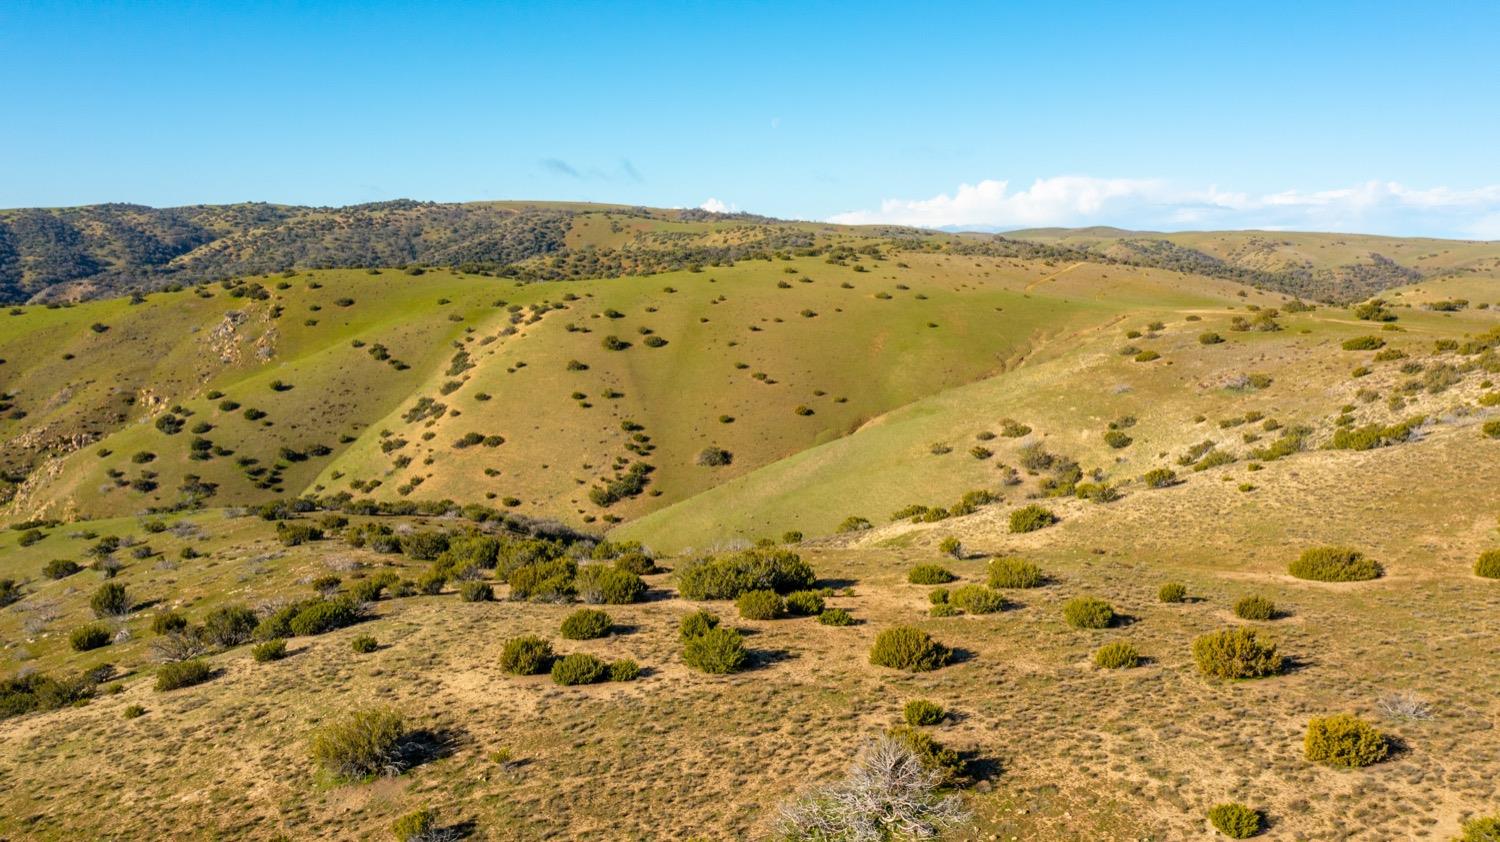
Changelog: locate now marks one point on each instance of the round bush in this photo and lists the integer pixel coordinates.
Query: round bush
(697, 623)
(361, 744)
(929, 574)
(1255, 608)
(60, 568)
(910, 649)
(1485, 829)
(526, 655)
(949, 546)
(1344, 741)
(934, 756)
(110, 600)
(1087, 612)
(624, 670)
(476, 590)
(943, 609)
(168, 622)
(1172, 592)
(91, 636)
(600, 584)
(804, 603)
(923, 712)
(1012, 572)
(636, 562)
(1335, 564)
(1117, 655)
(1488, 565)
(271, 650)
(420, 826)
(1031, 518)
(835, 617)
(1235, 820)
(760, 605)
(586, 624)
(717, 651)
(364, 644)
(976, 599)
(578, 668)
(182, 674)
(1236, 653)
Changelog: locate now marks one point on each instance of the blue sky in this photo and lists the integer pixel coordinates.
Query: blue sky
(1369, 116)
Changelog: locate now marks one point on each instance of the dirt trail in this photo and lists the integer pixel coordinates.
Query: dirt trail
(1034, 284)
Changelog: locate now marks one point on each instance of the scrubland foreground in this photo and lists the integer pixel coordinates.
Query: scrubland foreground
(857, 534)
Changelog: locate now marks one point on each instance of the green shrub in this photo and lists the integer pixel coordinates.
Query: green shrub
(586, 624)
(322, 615)
(1486, 829)
(420, 826)
(60, 568)
(976, 599)
(1488, 564)
(943, 609)
(1363, 343)
(544, 581)
(1335, 564)
(1172, 592)
(1235, 820)
(600, 584)
(110, 600)
(636, 562)
(168, 622)
(1117, 439)
(758, 568)
(1491, 429)
(1236, 653)
(923, 712)
(578, 668)
(1344, 741)
(364, 644)
(929, 574)
(229, 625)
(1031, 518)
(1087, 612)
(361, 744)
(1159, 478)
(804, 603)
(182, 674)
(835, 617)
(424, 545)
(624, 670)
(476, 590)
(1117, 655)
(1254, 608)
(696, 624)
(1012, 572)
(717, 651)
(526, 655)
(271, 650)
(760, 605)
(950, 546)
(134, 711)
(932, 754)
(91, 636)
(910, 649)
(295, 534)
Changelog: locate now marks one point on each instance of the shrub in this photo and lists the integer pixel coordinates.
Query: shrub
(364, 644)
(578, 668)
(1209, 338)
(1159, 478)
(1255, 608)
(717, 651)
(1335, 564)
(182, 674)
(296, 534)
(714, 457)
(758, 568)
(1117, 655)
(602, 584)
(1117, 439)
(1491, 429)
(476, 590)
(934, 756)
(424, 545)
(1488, 564)
(322, 615)
(804, 603)
(361, 744)
(976, 599)
(526, 655)
(1172, 592)
(134, 711)
(168, 622)
(60, 568)
(1235, 820)
(110, 600)
(760, 605)
(1345, 741)
(1031, 518)
(1363, 343)
(1236, 653)
(951, 546)
(910, 649)
(1486, 829)
(697, 623)
(420, 826)
(271, 650)
(91, 636)
(923, 712)
(636, 562)
(624, 670)
(229, 625)
(835, 617)
(586, 624)
(544, 581)
(929, 574)
(1012, 572)
(1087, 612)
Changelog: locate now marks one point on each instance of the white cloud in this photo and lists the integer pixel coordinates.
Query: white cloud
(713, 205)
(1372, 207)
